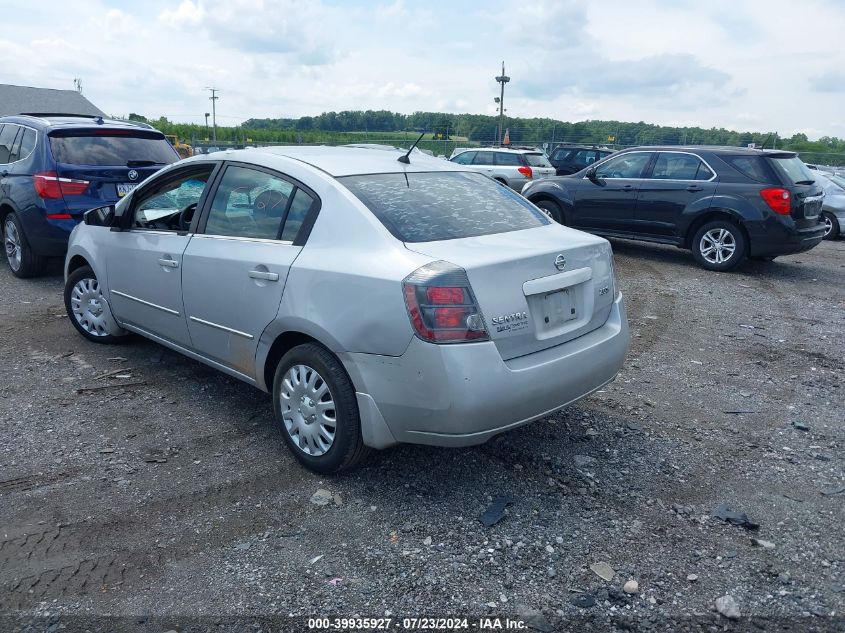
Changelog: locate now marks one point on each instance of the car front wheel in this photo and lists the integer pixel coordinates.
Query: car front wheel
(831, 226)
(88, 310)
(719, 245)
(315, 404)
(23, 262)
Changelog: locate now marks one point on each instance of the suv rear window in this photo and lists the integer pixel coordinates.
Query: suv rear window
(433, 206)
(537, 160)
(111, 147)
(793, 169)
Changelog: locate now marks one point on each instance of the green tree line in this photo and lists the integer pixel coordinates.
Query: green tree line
(445, 131)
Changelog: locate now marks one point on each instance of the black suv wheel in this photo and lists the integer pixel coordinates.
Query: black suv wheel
(22, 261)
(719, 245)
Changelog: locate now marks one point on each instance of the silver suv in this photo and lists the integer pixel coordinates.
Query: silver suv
(378, 301)
(511, 167)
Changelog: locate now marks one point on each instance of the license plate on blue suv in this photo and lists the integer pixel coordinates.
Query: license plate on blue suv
(125, 188)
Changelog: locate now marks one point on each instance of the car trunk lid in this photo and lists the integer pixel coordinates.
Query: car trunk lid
(536, 288)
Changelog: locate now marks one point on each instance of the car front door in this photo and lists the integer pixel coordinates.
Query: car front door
(236, 266)
(144, 258)
(678, 182)
(606, 202)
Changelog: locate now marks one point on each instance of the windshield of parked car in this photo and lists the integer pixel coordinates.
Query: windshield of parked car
(537, 160)
(433, 206)
(111, 147)
(794, 170)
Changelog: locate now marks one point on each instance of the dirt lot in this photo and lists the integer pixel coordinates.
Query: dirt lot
(174, 504)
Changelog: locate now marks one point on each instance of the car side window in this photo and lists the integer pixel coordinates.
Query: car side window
(464, 158)
(483, 158)
(249, 203)
(27, 143)
(673, 166)
(7, 138)
(171, 206)
(299, 208)
(624, 166)
(508, 159)
(15, 153)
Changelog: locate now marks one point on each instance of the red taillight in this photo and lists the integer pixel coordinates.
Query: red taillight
(59, 216)
(441, 305)
(525, 170)
(48, 185)
(445, 295)
(778, 199)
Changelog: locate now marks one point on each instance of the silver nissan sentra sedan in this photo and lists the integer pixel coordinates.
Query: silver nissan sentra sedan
(379, 301)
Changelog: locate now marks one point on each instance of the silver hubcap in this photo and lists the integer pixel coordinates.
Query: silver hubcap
(828, 226)
(308, 410)
(86, 302)
(13, 245)
(717, 246)
(547, 213)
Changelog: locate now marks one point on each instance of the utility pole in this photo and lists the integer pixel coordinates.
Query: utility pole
(207, 114)
(502, 79)
(213, 98)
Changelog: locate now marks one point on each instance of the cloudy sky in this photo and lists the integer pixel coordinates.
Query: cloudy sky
(756, 65)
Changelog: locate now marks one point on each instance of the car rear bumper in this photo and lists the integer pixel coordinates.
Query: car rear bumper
(460, 395)
(776, 238)
(47, 238)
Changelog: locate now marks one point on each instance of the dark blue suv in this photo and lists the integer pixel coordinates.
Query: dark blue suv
(53, 168)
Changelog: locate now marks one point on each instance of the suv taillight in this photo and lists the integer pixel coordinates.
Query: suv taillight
(525, 170)
(441, 305)
(778, 199)
(48, 185)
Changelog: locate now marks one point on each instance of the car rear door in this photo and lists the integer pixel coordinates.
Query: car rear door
(678, 183)
(98, 166)
(144, 259)
(236, 267)
(607, 201)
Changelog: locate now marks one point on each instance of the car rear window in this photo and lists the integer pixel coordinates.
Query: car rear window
(434, 206)
(537, 160)
(106, 147)
(793, 169)
(753, 167)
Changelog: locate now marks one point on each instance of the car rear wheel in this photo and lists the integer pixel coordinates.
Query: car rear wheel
(22, 261)
(831, 226)
(551, 209)
(315, 404)
(719, 245)
(88, 310)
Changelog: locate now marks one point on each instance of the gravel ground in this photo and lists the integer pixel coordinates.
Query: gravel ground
(174, 504)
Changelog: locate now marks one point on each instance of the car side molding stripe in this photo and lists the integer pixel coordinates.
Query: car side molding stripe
(222, 327)
(146, 303)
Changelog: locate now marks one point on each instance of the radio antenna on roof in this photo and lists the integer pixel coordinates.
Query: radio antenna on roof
(404, 158)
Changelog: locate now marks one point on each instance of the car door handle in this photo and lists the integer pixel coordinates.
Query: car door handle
(261, 274)
(694, 188)
(4, 173)
(628, 188)
(168, 263)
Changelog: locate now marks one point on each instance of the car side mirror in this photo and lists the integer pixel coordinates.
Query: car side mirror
(101, 216)
(591, 174)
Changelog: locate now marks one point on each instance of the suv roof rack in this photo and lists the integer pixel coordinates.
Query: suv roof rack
(67, 114)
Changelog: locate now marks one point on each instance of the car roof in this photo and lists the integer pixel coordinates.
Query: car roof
(510, 150)
(721, 149)
(66, 121)
(340, 161)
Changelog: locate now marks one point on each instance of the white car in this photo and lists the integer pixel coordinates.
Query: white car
(512, 167)
(379, 301)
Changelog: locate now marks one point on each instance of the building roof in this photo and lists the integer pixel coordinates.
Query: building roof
(19, 99)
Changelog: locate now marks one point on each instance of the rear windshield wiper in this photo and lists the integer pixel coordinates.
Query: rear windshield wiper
(804, 182)
(142, 163)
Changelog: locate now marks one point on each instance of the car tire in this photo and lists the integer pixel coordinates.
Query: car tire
(831, 226)
(311, 386)
(551, 209)
(23, 262)
(719, 246)
(88, 310)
